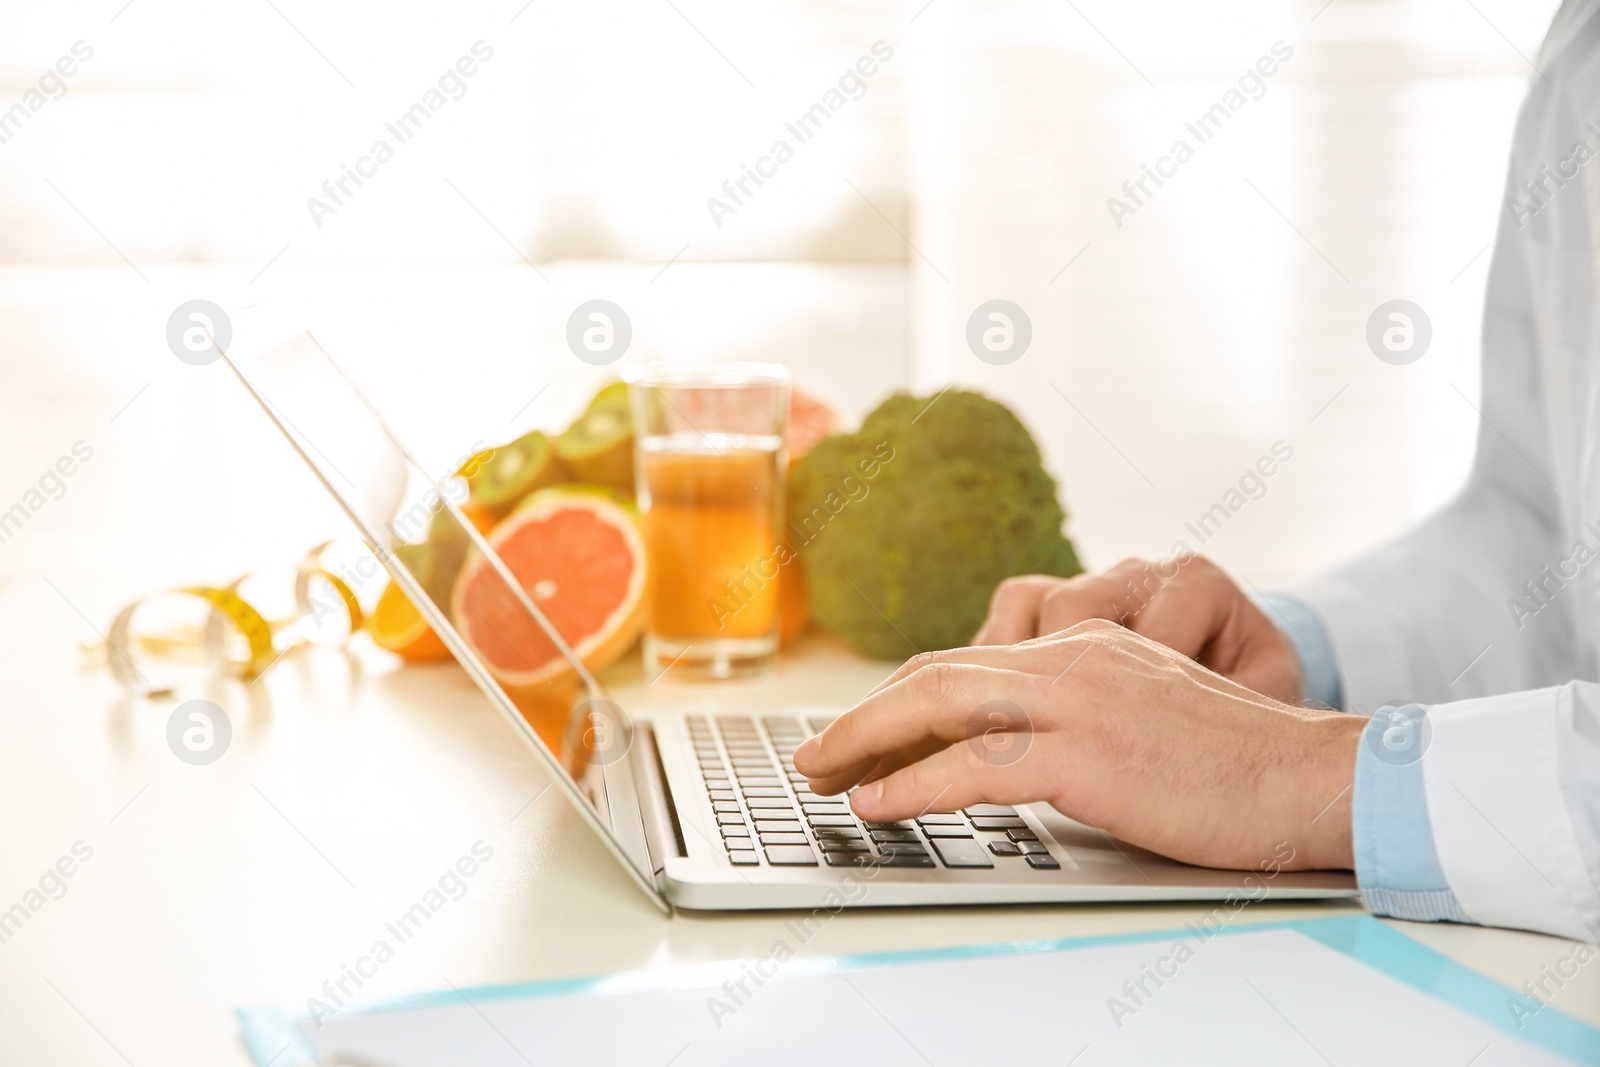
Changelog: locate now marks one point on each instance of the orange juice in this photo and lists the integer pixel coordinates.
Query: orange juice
(712, 507)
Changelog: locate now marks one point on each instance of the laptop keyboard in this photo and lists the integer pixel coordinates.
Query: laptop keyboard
(768, 815)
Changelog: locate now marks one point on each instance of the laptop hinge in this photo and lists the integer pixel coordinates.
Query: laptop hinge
(663, 837)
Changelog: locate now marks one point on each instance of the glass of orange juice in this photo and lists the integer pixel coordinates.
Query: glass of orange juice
(710, 465)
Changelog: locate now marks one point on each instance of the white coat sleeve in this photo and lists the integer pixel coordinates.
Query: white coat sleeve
(1510, 762)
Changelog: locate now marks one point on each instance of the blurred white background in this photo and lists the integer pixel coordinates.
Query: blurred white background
(1168, 353)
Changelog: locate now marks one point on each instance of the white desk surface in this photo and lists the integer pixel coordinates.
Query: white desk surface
(350, 785)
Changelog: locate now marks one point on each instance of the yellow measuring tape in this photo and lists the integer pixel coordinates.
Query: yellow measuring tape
(259, 643)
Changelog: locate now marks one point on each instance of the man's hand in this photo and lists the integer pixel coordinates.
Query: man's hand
(1113, 730)
(1186, 603)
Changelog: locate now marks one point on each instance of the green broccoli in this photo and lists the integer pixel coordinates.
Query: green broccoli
(907, 525)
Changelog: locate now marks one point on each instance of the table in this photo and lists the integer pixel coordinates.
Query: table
(349, 786)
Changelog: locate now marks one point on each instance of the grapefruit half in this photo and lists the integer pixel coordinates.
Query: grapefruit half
(578, 554)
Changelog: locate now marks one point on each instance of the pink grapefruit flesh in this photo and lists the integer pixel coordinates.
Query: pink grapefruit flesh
(579, 556)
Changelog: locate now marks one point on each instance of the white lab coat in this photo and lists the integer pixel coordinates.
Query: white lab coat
(1512, 769)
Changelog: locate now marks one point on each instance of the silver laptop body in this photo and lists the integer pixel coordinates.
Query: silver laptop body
(702, 810)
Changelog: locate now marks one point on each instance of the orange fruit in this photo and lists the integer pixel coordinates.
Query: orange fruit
(578, 554)
(397, 626)
(479, 516)
(810, 420)
(794, 614)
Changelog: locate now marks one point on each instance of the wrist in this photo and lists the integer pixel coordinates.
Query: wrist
(1326, 780)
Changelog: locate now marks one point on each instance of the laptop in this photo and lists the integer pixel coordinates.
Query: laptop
(705, 810)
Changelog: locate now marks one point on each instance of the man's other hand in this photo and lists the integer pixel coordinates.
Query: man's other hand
(1185, 602)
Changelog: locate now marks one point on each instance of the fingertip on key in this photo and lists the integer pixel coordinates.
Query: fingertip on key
(866, 798)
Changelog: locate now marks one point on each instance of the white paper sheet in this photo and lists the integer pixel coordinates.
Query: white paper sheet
(1269, 997)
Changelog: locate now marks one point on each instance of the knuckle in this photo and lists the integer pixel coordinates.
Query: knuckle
(1060, 596)
(1090, 627)
(1013, 588)
(937, 680)
(1008, 588)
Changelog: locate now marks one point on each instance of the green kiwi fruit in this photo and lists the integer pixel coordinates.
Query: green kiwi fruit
(598, 447)
(611, 395)
(511, 472)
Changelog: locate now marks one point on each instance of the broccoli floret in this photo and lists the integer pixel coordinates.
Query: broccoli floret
(907, 525)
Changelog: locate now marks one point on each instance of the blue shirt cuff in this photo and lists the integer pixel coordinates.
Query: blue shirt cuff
(1319, 674)
(1397, 864)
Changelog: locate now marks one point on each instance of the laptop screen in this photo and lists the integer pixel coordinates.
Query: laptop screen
(411, 522)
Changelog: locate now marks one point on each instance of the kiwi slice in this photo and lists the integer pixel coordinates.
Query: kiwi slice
(513, 471)
(611, 395)
(598, 447)
(473, 462)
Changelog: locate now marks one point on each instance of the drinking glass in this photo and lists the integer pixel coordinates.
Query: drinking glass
(711, 465)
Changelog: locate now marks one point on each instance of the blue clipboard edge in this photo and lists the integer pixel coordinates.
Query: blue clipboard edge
(269, 1032)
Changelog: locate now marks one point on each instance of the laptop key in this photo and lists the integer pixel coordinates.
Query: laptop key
(1043, 863)
(783, 839)
(791, 856)
(990, 809)
(724, 807)
(722, 794)
(844, 859)
(1021, 835)
(744, 859)
(734, 844)
(950, 819)
(730, 819)
(1033, 848)
(830, 820)
(765, 791)
(736, 831)
(779, 801)
(837, 833)
(894, 835)
(776, 826)
(983, 822)
(1004, 848)
(906, 859)
(905, 824)
(947, 831)
(961, 852)
(842, 844)
(825, 809)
